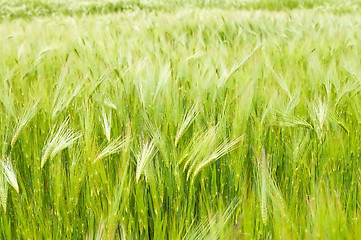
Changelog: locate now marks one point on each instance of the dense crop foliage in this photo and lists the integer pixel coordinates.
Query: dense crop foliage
(181, 124)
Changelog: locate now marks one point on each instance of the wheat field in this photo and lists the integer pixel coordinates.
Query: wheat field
(176, 119)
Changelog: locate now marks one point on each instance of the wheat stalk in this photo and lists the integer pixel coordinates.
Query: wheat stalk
(187, 120)
(63, 138)
(106, 124)
(9, 173)
(224, 148)
(112, 148)
(3, 191)
(24, 120)
(146, 153)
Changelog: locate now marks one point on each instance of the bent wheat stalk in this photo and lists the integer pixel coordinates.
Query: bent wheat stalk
(112, 148)
(29, 113)
(57, 142)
